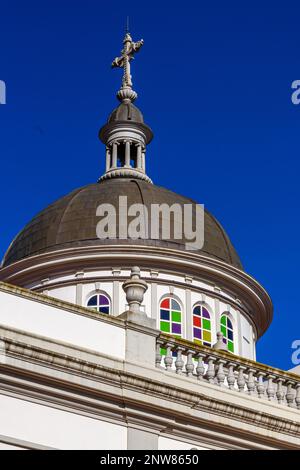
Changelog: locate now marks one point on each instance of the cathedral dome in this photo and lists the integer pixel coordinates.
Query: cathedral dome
(71, 222)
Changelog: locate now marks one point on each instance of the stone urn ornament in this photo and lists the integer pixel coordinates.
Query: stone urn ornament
(135, 289)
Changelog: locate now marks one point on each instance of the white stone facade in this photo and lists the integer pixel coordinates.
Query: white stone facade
(72, 378)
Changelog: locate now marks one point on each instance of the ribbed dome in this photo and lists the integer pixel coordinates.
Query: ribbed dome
(71, 222)
(126, 111)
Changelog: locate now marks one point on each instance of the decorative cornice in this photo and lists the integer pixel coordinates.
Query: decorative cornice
(122, 379)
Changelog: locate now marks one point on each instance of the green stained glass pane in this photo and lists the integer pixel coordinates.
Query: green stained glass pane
(176, 316)
(223, 320)
(223, 330)
(163, 351)
(165, 326)
(230, 346)
(206, 324)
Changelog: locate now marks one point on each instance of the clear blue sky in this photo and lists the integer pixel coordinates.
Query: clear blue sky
(214, 83)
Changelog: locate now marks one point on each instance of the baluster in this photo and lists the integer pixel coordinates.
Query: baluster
(189, 363)
(250, 382)
(279, 392)
(210, 373)
(200, 366)
(298, 396)
(158, 354)
(241, 379)
(290, 394)
(220, 372)
(270, 387)
(231, 376)
(179, 362)
(260, 385)
(168, 358)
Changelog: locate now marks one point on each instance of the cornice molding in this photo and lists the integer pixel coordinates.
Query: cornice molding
(135, 390)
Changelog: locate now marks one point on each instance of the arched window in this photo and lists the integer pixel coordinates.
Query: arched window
(170, 317)
(227, 330)
(201, 325)
(100, 303)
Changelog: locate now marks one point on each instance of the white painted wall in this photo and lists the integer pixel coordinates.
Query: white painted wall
(165, 443)
(67, 293)
(4, 446)
(247, 337)
(58, 324)
(56, 428)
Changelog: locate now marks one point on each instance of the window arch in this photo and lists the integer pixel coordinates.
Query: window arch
(228, 333)
(99, 302)
(170, 314)
(201, 325)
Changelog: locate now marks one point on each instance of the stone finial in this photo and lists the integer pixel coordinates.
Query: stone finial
(134, 289)
(220, 344)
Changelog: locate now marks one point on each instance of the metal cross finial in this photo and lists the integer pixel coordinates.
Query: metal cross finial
(127, 54)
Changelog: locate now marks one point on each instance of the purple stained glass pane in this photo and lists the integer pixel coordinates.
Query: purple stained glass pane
(197, 333)
(225, 340)
(229, 324)
(103, 300)
(230, 334)
(176, 328)
(205, 313)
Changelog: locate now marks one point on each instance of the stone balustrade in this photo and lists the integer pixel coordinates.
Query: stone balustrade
(227, 370)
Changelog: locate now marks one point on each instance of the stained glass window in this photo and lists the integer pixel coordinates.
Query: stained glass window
(227, 330)
(201, 325)
(170, 317)
(100, 303)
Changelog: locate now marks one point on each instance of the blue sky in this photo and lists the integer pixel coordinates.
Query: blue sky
(214, 83)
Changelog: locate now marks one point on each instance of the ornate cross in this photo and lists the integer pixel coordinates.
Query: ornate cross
(127, 53)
